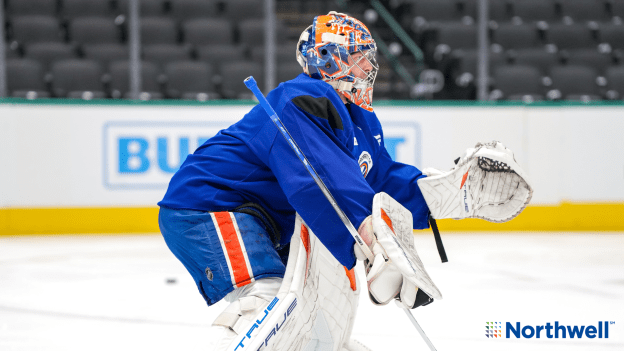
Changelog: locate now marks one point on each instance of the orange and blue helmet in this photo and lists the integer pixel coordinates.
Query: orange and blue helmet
(340, 50)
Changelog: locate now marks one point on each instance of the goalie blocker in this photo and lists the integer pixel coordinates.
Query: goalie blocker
(396, 271)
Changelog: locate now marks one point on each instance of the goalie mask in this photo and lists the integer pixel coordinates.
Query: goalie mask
(340, 50)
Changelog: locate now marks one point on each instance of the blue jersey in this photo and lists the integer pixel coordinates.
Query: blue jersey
(251, 162)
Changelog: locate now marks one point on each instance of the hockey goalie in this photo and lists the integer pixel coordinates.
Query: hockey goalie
(252, 227)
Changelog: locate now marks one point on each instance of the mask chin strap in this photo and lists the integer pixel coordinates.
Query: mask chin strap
(341, 85)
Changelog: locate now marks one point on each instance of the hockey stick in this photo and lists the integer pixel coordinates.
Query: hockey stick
(251, 84)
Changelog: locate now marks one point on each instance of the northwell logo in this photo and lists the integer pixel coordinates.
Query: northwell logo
(550, 331)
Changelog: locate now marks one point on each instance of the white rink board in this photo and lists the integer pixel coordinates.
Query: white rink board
(70, 155)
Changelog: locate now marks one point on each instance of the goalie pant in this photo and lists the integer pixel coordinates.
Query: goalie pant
(251, 162)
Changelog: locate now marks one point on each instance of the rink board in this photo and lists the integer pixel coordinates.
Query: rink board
(93, 167)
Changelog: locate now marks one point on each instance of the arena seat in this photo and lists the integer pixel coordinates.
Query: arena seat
(237, 10)
(285, 53)
(574, 82)
(617, 9)
(105, 53)
(94, 30)
(517, 82)
(77, 79)
(534, 10)
(516, 36)
(147, 8)
(612, 34)
(498, 9)
(25, 78)
(71, 9)
(591, 58)
(457, 35)
(536, 57)
(583, 10)
(183, 10)
(434, 10)
(120, 80)
(570, 36)
(465, 70)
(48, 52)
(251, 32)
(158, 30)
(316, 7)
(35, 29)
(288, 71)
(218, 55)
(208, 31)
(32, 7)
(615, 83)
(234, 73)
(190, 80)
(163, 54)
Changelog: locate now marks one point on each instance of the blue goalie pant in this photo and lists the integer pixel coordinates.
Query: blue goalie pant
(221, 250)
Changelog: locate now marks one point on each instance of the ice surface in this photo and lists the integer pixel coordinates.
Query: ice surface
(110, 292)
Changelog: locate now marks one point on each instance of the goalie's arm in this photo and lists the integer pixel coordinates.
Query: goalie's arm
(399, 180)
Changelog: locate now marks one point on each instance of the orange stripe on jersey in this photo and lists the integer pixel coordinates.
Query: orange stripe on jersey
(235, 253)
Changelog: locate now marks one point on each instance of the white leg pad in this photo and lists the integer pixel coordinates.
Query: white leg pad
(314, 308)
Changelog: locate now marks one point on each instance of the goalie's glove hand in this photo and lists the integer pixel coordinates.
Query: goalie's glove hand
(385, 280)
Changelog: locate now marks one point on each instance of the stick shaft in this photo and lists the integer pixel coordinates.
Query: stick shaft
(417, 326)
(250, 82)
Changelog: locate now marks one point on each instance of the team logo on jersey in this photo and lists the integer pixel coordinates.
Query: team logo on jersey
(366, 163)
